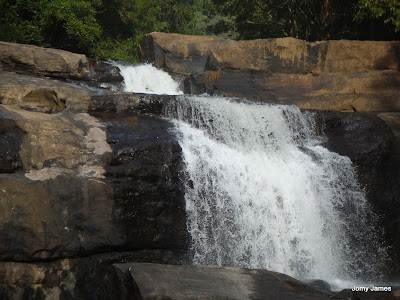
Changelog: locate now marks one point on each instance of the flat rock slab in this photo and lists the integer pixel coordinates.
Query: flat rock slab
(155, 281)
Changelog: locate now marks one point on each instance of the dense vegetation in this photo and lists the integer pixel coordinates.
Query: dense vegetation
(111, 29)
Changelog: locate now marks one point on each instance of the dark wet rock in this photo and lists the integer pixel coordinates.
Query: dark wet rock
(145, 171)
(78, 278)
(114, 102)
(122, 101)
(83, 185)
(154, 281)
(101, 71)
(319, 284)
(372, 146)
(11, 137)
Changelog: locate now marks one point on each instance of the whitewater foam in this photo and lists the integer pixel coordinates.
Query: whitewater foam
(146, 78)
(263, 192)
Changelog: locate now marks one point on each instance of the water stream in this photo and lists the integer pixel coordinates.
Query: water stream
(148, 79)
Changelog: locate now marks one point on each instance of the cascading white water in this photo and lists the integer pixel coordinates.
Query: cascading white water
(146, 78)
(262, 192)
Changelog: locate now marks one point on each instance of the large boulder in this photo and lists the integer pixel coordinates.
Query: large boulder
(29, 59)
(178, 53)
(328, 75)
(155, 281)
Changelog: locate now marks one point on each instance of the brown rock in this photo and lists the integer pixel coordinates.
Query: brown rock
(328, 75)
(178, 53)
(29, 59)
(363, 92)
(40, 94)
(290, 55)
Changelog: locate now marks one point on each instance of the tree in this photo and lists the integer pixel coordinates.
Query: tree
(67, 24)
(71, 24)
(105, 29)
(314, 19)
(386, 10)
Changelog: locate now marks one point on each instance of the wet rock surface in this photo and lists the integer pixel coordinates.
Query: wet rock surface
(81, 185)
(372, 146)
(145, 172)
(154, 281)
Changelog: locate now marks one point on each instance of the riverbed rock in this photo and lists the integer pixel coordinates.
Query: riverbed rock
(29, 59)
(327, 75)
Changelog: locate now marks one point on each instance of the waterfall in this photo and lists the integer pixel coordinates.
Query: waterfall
(146, 78)
(263, 192)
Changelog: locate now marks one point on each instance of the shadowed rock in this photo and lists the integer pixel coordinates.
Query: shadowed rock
(154, 281)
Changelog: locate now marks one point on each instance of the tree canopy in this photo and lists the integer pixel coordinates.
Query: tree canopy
(112, 29)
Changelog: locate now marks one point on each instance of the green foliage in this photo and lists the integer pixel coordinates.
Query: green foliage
(19, 21)
(71, 24)
(212, 18)
(386, 10)
(112, 29)
(106, 29)
(305, 19)
(109, 49)
(314, 19)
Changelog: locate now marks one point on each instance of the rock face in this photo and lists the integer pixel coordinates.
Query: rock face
(178, 53)
(373, 147)
(328, 75)
(82, 171)
(28, 59)
(73, 184)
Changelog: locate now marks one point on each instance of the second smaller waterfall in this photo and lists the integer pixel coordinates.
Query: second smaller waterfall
(147, 79)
